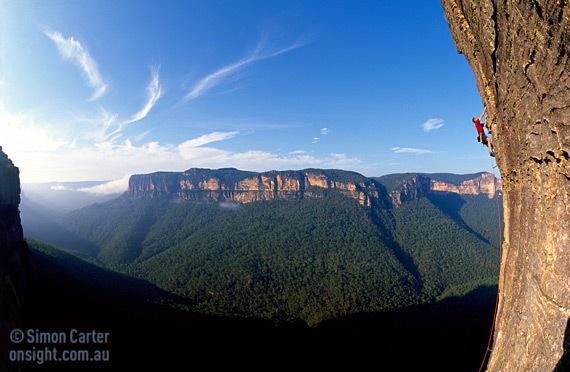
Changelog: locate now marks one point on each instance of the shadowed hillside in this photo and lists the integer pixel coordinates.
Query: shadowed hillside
(66, 292)
(313, 258)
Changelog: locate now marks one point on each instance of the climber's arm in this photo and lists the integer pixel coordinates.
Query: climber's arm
(483, 114)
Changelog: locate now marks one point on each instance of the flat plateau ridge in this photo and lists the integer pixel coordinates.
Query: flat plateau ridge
(229, 184)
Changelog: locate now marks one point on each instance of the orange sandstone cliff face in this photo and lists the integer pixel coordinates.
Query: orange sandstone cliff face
(420, 185)
(245, 187)
(484, 184)
(518, 51)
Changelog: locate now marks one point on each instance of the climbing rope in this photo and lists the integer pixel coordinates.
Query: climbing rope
(500, 233)
(14, 290)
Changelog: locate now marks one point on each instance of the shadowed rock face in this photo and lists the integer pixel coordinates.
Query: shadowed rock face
(13, 255)
(518, 51)
(412, 189)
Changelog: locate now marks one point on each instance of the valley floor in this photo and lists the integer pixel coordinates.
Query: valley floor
(448, 335)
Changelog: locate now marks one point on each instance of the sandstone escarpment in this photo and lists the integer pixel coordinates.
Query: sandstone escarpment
(244, 187)
(238, 186)
(518, 51)
(13, 255)
(484, 184)
(411, 186)
(412, 189)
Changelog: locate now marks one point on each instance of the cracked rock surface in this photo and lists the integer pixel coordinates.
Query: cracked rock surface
(518, 51)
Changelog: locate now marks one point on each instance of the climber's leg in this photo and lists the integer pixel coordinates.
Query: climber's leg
(488, 125)
(490, 145)
(486, 141)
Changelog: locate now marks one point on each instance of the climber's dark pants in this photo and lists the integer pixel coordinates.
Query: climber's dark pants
(483, 139)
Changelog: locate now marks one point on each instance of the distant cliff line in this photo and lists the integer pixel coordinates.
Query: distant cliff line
(230, 184)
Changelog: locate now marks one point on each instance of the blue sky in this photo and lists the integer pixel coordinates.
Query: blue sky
(104, 89)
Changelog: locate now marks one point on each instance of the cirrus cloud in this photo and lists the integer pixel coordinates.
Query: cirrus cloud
(221, 75)
(71, 49)
(154, 92)
(433, 124)
(208, 138)
(411, 150)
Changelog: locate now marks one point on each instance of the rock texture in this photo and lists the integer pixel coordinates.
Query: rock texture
(13, 255)
(412, 189)
(518, 51)
(230, 184)
(238, 186)
(484, 184)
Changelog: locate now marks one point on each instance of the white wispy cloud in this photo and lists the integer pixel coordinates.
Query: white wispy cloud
(71, 49)
(219, 76)
(105, 127)
(229, 205)
(208, 138)
(93, 153)
(114, 160)
(60, 188)
(315, 140)
(324, 131)
(139, 137)
(411, 150)
(433, 124)
(109, 188)
(101, 127)
(154, 92)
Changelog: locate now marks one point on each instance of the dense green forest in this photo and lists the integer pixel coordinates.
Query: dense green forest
(313, 259)
(150, 334)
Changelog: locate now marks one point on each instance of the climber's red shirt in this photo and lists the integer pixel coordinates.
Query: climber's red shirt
(478, 125)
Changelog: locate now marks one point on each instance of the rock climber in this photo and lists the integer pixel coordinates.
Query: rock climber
(481, 136)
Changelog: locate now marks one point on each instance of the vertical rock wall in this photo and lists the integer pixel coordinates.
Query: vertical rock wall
(518, 51)
(13, 256)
